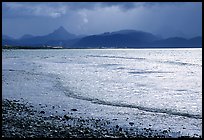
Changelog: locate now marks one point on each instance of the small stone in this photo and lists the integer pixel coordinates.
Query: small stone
(43, 112)
(131, 123)
(117, 126)
(165, 131)
(30, 126)
(73, 109)
(66, 117)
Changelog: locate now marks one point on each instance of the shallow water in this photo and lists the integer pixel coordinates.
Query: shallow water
(159, 81)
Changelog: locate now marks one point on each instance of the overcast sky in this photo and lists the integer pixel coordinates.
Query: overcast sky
(165, 18)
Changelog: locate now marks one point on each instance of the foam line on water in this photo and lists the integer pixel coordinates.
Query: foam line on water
(148, 72)
(180, 63)
(117, 104)
(121, 57)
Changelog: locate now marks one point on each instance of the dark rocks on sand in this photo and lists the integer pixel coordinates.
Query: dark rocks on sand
(120, 129)
(67, 117)
(131, 123)
(42, 112)
(31, 113)
(26, 125)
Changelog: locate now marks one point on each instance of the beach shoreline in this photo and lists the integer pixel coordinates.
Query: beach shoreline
(22, 120)
(41, 101)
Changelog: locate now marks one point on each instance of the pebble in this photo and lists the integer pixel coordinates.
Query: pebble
(66, 117)
(131, 123)
(29, 124)
(42, 112)
(120, 129)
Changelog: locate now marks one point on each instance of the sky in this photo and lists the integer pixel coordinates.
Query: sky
(167, 19)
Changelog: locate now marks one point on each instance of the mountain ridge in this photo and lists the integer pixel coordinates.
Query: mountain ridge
(127, 38)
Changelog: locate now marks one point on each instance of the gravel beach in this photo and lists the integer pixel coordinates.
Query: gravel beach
(22, 120)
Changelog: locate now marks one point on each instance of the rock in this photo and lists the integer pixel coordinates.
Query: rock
(73, 109)
(117, 126)
(107, 136)
(42, 112)
(131, 123)
(67, 117)
(30, 126)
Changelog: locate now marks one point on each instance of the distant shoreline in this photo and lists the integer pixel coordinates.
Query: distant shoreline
(15, 48)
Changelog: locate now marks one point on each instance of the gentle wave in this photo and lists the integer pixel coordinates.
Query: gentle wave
(140, 58)
(13, 70)
(108, 65)
(61, 62)
(148, 72)
(121, 57)
(180, 63)
(156, 110)
(98, 101)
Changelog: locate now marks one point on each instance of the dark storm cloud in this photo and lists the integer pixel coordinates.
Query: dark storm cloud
(165, 18)
(57, 9)
(29, 9)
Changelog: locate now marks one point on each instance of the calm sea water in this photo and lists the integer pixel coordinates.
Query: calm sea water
(165, 81)
(161, 80)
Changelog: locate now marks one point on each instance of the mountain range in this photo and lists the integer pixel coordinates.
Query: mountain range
(117, 39)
